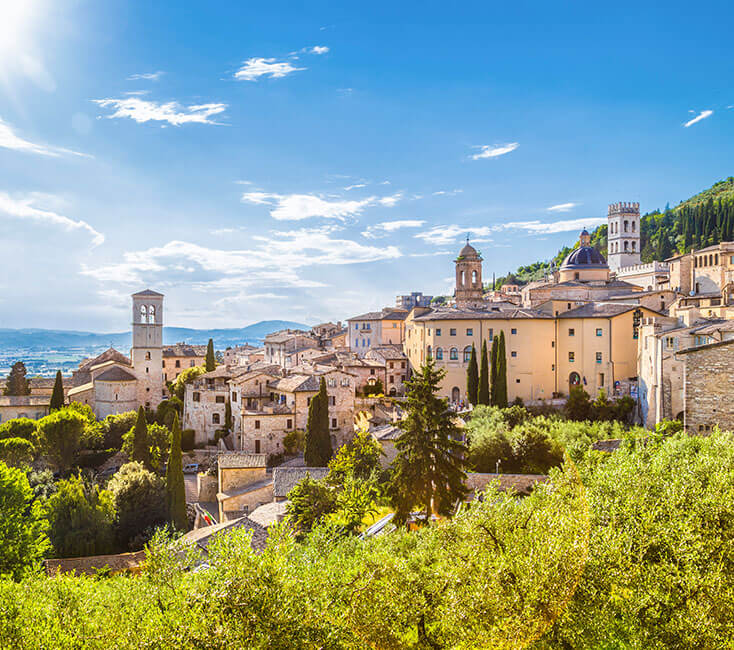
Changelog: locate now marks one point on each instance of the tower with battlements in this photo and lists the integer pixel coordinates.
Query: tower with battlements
(147, 348)
(623, 235)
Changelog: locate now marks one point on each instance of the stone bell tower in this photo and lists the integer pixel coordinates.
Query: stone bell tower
(469, 288)
(147, 352)
(623, 235)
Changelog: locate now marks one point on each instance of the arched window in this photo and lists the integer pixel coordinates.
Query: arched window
(428, 352)
(453, 354)
(151, 314)
(463, 278)
(143, 314)
(215, 418)
(633, 226)
(147, 356)
(626, 226)
(716, 259)
(474, 277)
(455, 394)
(574, 379)
(467, 354)
(439, 354)
(633, 245)
(711, 260)
(626, 243)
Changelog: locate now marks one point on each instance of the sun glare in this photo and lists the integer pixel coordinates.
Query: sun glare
(16, 21)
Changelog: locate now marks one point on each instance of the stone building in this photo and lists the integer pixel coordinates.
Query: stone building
(283, 348)
(708, 386)
(241, 355)
(469, 290)
(623, 235)
(243, 484)
(113, 383)
(412, 300)
(395, 364)
(23, 406)
(205, 404)
(179, 357)
(376, 328)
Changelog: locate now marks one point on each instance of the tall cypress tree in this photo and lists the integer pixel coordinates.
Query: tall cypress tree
(428, 470)
(318, 451)
(210, 362)
(493, 376)
(175, 489)
(141, 444)
(228, 417)
(57, 397)
(501, 393)
(483, 390)
(472, 377)
(311, 454)
(17, 382)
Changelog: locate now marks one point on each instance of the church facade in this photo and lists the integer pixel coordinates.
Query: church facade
(112, 382)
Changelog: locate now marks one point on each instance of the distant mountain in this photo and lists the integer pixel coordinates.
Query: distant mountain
(40, 339)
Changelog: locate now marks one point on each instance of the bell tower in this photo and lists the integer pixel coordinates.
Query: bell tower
(147, 352)
(623, 235)
(469, 288)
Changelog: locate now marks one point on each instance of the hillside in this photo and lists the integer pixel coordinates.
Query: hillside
(702, 220)
(36, 339)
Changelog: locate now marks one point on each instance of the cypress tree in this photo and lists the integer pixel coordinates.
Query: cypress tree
(175, 489)
(483, 390)
(57, 397)
(228, 417)
(141, 446)
(494, 369)
(210, 362)
(310, 448)
(501, 393)
(472, 377)
(317, 450)
(428, 470)
(17, 382)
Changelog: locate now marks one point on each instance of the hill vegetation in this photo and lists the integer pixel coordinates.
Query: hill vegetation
(704, 219)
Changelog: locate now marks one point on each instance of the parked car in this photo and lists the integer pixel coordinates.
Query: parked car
(109, 472)
(191, 468)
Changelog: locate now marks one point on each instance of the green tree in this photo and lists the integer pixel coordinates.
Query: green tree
(318, 451)
(158, 443)
(57, 396)
(20, 428)
(141, 444)
(309, 502)
(139, 499)
(360, 457)
(17, 383)
(578, 405)
(483, 390)
(210, 362)
(472, 378)
(228, 417)
(22, 527)
(428, 470)
(80, 519)
(533, 451)
(60, 435)
(186, 377)
(493, 372)
(114, 427)
(175, 488)
(16, 452)
(500, 392)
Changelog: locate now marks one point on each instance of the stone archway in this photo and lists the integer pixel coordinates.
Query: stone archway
(455, 394)
(574, 379)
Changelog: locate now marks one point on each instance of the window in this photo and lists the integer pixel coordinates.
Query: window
(391, 365)
(438, 329)
(333, 423)
(513, 353)
(356, 326)
(469, 331)
(257, 446)
(289, 424)
(215, 418)
(219, 399)
(626, 226)
(392, 379)
(331, 383)
(257, 424)
(453, 354)
(571, 331)
(402, 364)
(452, 332)
(332, 400)
(147, 356)
(428, 352)
(372, 371)
(568, 306)
(517, 381)
(234, 397)
(491, 334)
(598, 331)
(147, 370)
(601, 379)
(553, 344)
(178, 363)
(164, 363)
(467, 354)
(192, 363)
(669, 342)
(576, 276)
(196, 397)
(513, 330)
(598, 357)
(439, 354)
(633, 245)
(571, 357)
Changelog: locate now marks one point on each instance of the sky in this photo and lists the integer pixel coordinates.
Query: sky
(310, 161)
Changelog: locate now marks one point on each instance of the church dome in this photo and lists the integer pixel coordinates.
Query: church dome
(468, 251)
(584, 257)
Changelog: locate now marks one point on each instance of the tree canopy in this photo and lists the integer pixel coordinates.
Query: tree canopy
(17, 383)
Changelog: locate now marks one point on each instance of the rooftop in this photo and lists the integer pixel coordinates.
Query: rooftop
(92, 564)
(385, 314)
(202, 536)
(184, 350)
(486, 313)
(240, 461)
(116, 374)
(285, 478)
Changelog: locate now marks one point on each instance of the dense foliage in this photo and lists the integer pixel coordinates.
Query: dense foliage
(472, 378)
(210, 361)
(175, 488)
(60, 435)
(57, 396)
(17, 383)
(317, 445)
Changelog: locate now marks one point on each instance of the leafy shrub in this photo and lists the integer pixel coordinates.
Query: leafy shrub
(16, 452)
(294, 441)
(20, 428)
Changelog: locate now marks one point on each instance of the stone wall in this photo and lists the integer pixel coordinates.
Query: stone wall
(709, 387)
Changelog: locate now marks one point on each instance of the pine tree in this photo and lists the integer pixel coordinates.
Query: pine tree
(57, 397)
(428, 470)
(317, 450)
(501, 392)
(175, 489)
(17, 382)
(472, 377)
(210, 362)
(141, 446)
(483, 390)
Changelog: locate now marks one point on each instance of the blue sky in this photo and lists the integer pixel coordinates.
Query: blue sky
(311, 161)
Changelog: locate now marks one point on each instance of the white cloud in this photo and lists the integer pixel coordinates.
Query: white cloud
(701, 116)
(148, 76)
(537, 227)
(25, 210)
(492, 151)
(257, 67)
(295, 207)
(382, 229)
(9, 140)
(447, 192)
(354, 187)
(442, 235)
(319, 49)
(562, 207)
(173, 113)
